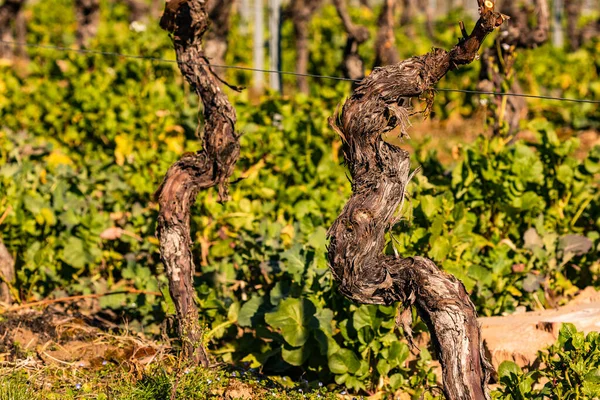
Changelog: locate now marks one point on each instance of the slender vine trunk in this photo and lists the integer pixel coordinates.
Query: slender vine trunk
(219, 13)
(380, 173)
(497, 72)
(87, 14)
(10, 20)
(386, 52)
(187, 22)
(301, 11)
(353, 66)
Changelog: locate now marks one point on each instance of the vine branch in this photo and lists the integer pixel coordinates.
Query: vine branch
(187, 21)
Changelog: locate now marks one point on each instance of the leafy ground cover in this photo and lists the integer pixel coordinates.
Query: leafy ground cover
(85, 141)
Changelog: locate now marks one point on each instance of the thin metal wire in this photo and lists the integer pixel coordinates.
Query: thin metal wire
(241, 68)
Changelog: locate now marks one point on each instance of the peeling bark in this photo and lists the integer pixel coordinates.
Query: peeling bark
(353, 66)
(187, 21)
(11, 21)
(301, 11)
(219, 12)
(380, 173)
(497, 73)
(386, 52)
(7, 274)
(87, 14)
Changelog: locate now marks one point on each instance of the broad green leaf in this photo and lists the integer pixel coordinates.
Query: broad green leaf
(566, 332)
(292, 318)
(509, 368)
(295, 356)
(343, 361)
(248, 310)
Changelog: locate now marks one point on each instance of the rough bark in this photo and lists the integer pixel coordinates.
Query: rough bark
(187, 21)
(87, 14)
(301, 11)
(219, 12)
(380, 173)
(386, 52)
(10, 13)
(7, 274)
(497, 73)
(353, 66)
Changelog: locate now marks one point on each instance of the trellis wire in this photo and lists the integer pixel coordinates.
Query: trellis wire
(269, 71)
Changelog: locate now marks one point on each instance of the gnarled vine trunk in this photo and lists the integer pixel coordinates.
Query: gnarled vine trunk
(187, 21)
(12, 24)
(380, 173)
(87, 14)
(497, 73)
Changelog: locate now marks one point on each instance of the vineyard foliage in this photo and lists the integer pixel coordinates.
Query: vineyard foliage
(85, 141)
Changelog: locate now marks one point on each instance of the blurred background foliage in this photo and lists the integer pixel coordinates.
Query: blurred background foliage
(85, 141)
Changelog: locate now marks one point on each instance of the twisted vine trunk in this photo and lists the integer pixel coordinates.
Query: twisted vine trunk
(187, 21)
(87, 14)
(380, 173)
(497, 73)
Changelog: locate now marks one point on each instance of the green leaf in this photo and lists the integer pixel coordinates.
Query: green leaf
(578, 339)
(429, 206)
(292, 318)
(383, 367)
(593, 376)
(295, 356)
(440, 249)
(508, 369)
(248, 310)
(343, 361)
(564, 174)
(396, 381)
(398, 353)
(566, 332)
(318, 239)
(74, 253)
(366, 315)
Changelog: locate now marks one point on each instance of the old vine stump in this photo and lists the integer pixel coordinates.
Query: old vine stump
(380, 173)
